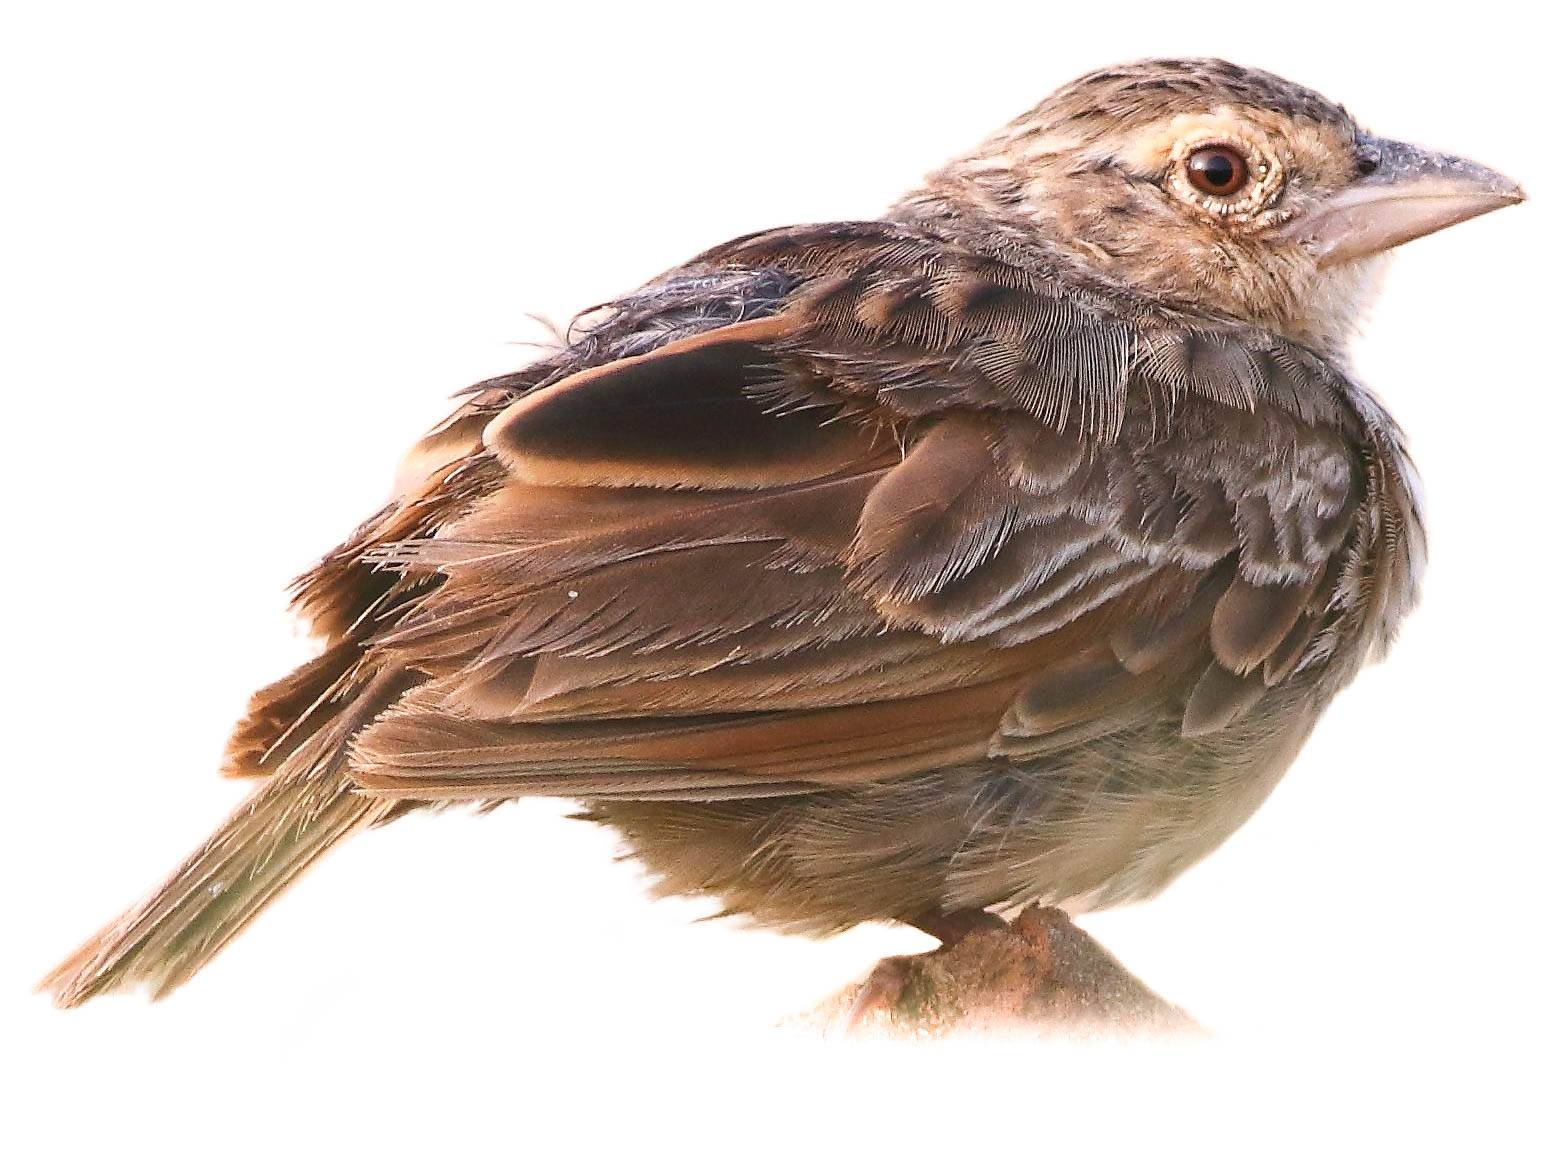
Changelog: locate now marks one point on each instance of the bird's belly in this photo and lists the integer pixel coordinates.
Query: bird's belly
(1115, 820)
(1131, 836)
(1098, 824)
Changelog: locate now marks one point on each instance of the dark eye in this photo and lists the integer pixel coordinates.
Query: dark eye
(1216, 170)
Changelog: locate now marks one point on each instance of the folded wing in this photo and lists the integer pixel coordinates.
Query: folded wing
(927, 510)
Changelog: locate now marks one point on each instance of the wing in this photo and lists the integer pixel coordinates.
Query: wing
(922, 509)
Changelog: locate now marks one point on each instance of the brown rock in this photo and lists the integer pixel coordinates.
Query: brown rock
(1040, 974)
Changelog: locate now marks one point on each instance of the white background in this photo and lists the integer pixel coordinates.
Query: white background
(250, 249)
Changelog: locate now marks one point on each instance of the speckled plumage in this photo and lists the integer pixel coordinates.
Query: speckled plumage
(1004, 549)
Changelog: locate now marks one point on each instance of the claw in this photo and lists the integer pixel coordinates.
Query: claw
(880, 992)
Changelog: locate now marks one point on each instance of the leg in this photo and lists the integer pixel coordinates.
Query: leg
(885, 984)
(950, 927)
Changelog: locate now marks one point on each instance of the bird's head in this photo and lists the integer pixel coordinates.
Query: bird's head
(1208, 187)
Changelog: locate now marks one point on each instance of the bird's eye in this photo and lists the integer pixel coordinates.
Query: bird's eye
(1216, 170)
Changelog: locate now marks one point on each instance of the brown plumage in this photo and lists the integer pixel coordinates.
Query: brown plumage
(1003, 549)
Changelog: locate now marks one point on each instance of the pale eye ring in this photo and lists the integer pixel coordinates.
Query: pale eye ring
(1217, 170)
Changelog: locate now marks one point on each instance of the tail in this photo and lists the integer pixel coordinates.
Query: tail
(306, 808)
(272, 838)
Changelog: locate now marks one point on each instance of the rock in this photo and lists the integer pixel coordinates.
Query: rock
(1039, 974)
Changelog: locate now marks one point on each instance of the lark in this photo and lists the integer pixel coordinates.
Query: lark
(1002, 551)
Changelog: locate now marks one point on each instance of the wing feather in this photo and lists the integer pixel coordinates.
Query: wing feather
(919, 509)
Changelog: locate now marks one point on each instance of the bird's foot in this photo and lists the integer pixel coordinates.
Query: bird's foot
(1037, 973)
(881, 991)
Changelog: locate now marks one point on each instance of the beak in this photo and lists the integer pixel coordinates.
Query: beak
(1406, 193)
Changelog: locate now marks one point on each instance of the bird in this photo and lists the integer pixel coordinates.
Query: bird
(1001, 551)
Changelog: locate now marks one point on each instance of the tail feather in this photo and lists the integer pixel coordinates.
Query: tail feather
(271, 839)
(288, 823)
(289, 711)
